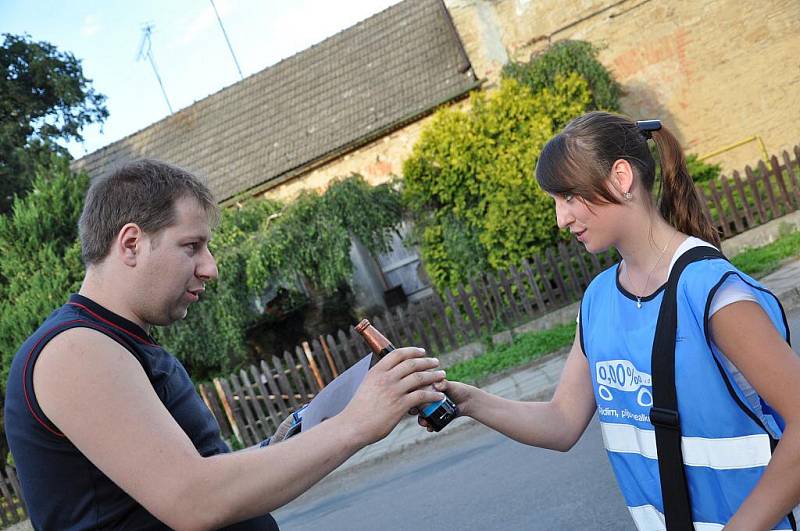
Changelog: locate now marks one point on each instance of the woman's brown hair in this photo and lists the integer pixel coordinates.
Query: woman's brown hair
(578, 161)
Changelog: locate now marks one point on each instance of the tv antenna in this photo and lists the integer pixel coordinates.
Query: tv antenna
(225, 34)
(146, 50)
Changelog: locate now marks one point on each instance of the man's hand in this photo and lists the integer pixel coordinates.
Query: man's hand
(400, 381)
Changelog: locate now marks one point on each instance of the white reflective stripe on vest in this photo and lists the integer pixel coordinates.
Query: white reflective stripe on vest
(723, 454)
(648, 518)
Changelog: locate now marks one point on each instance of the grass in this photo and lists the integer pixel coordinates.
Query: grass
(524, 349)
(760, 261)
(528, 347)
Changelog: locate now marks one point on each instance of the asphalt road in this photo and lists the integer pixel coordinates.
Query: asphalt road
(793, 318)
(473, 479)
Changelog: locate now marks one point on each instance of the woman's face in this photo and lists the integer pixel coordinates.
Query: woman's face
(594, 225)
(601, 224)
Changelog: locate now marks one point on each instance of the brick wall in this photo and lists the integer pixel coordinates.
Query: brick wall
(718, 71)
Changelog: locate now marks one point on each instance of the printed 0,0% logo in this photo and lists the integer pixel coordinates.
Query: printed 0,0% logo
(622, 375)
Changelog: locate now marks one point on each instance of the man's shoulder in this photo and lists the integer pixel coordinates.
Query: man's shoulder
(79, 350)
(75, 340)
(58, 320)
(80, 365)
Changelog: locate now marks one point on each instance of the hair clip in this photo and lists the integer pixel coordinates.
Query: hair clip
(646, 127)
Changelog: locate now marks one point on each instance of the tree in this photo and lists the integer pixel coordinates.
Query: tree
(469, 180)
(39, 255)
(39, 258)
(44, 99)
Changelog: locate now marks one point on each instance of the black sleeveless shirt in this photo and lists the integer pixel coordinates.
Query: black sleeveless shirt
(61, 487)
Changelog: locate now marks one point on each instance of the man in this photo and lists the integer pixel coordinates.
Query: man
(105, 426)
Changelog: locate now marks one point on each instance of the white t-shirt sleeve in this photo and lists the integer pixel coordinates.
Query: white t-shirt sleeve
(734, 289)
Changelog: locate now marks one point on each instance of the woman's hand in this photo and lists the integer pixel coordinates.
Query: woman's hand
(459, 393)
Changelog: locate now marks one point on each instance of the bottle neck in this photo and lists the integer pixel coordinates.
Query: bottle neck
(384, 351)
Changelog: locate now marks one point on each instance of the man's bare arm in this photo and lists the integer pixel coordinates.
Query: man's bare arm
(99, 396)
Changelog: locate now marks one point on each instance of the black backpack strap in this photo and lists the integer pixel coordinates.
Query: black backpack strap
(664, 413)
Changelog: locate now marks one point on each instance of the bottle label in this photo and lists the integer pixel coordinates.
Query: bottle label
(428, 410)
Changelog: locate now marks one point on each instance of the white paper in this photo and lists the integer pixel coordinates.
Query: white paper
(335, 396)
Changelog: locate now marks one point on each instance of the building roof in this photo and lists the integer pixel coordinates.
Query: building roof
(342, 93)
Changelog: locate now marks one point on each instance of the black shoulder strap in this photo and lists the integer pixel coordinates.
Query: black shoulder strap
(664, 413)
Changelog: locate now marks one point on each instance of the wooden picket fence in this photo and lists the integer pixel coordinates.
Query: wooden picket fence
(739, 203)
(12, 507)
(250, 404)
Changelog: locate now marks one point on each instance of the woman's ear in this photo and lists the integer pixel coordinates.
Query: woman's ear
(622, 178)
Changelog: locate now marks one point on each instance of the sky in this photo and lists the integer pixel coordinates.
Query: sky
(188, 47)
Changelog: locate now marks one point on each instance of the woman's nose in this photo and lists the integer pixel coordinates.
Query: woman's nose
(563, 217)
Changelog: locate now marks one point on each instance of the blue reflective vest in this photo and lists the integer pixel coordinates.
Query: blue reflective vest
(728, 431)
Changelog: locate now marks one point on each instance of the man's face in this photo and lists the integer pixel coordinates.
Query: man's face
(175, 265)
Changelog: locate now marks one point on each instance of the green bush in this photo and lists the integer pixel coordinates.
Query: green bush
(562, 59)
(469, 180)
(702, 172)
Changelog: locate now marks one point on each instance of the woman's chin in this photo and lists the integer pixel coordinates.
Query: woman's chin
(594, 248)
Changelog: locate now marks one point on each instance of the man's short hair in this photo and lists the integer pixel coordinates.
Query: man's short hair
(143, 192)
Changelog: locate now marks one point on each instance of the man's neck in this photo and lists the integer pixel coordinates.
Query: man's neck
(110, 295)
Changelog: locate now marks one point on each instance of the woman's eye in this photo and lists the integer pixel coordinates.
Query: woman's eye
(568, 197)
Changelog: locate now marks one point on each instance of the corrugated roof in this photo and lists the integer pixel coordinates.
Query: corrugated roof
(333, 97)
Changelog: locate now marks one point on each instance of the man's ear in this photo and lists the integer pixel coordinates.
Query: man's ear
(129, 243)
(622, 177)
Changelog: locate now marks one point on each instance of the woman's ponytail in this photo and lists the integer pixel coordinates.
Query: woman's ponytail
(680, 204)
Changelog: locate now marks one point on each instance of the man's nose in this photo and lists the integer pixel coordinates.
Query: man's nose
(207, 269)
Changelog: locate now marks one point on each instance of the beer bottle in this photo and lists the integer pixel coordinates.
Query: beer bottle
(438, 414)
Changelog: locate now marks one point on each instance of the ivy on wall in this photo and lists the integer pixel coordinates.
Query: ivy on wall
(266, 244)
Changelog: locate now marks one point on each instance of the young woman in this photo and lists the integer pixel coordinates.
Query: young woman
(735, 374)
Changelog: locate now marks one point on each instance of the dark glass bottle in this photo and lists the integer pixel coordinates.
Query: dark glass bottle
(438, 414)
